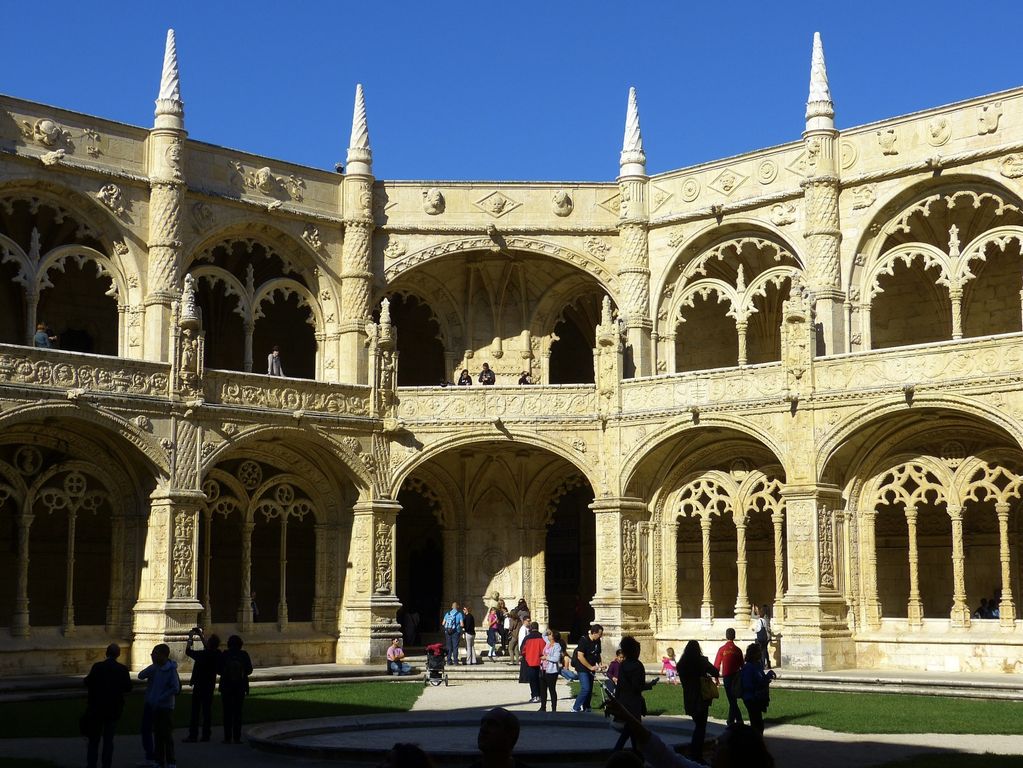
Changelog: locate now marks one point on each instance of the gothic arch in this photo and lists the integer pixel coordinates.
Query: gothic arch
(509, 435)
(527, 245)
(682, 425)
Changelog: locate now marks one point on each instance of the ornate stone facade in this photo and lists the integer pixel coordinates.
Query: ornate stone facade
(788, 378)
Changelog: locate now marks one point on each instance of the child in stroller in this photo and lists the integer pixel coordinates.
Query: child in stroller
(435, 674)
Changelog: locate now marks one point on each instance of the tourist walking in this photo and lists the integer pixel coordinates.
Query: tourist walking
(629, 689)
(204, 682)
(469, 628)
(164, 686)
(550, 666)
(728, 662)
(235, 668)
(107, 682)
(697, 675)
(452, 625)
(532, 656)
(493, 628)
(586, 661)
(756, 687)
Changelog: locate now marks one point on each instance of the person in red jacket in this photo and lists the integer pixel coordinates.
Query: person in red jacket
(532, 652)
(728, 663)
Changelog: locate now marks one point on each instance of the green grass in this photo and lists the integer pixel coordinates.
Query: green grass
(867, 712)
(57, 718)
(958, 760)
(863, 712)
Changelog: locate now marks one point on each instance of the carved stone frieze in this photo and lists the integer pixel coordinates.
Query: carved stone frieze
(433, 201)
(561, 203)
(473, 404)
(111, 196)
(496, 204)
(317, 397)
(21, 365)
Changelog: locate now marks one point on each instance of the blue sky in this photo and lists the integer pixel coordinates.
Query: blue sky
(511, 90)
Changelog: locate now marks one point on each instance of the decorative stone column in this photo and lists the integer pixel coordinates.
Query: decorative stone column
(620, 604)
(245, 615)
(634, 256)
(915, 606)
(816, 633)
(868, 551)
(960, 615)
(778, 526)
(168, 604)
(357, 250)
(707, 603)
(1007, 606)
(369, 608)
(115, 602)
(822, 231)
(671, 608)
(742, 607)
(20, 621)
(166, 149)
(282, 603)
(538, 574)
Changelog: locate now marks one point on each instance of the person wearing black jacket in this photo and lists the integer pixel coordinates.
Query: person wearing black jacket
(204, 682)
(234, 669)
(629, 689)
(107, 681)
(469, 628)
(692, 668)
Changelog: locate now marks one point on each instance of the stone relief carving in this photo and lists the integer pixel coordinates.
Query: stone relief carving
(311, 235)
(826, 545)
(847, 155)
(316, 397)
(433, 201)
(52, 158)
(264, 181)
(864, 197)
(382, 551)
(597, 248)
(630, 557)
(124, 376)
(938, 131)
(767, 171)
(690, 189)
(728, 181)
(181, 554)
(110, 195)
(612, 204)
(202, 216)
(886, 140)
(561, 203)
(496, 204)
(988, 117)
(47, 133)
(1011, 166)
(782, 214)
(395, 248)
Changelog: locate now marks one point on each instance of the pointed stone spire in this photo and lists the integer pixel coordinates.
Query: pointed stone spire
(360, 156)
(633, 158)
(170, 110)
(820, 110)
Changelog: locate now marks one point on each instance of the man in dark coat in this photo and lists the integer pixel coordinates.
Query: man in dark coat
(204, 682)
(234, 668)
(107, 681)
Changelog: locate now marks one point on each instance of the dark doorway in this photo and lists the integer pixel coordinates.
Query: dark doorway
(420, 352)
(571, 563)
(419, 581)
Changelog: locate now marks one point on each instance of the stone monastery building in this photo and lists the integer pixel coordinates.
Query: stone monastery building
(788, 377)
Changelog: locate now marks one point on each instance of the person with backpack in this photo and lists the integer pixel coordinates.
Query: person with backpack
(762, 629)
(235, 668)
(756, 687)
(453, 623)
(164, 685)
(728, 662)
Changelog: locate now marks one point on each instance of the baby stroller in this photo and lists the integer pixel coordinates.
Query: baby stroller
(435, 657)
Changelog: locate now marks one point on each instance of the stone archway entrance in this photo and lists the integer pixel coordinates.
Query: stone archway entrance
(498, 515)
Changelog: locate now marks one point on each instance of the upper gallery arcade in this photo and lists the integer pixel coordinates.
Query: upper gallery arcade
(786, 377)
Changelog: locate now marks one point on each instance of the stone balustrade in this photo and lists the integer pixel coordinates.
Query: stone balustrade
(277, 393)
(57, 369)
(559, 402)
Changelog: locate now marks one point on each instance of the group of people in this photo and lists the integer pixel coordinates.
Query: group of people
(486, 377)
(108, 681)
(988, 609)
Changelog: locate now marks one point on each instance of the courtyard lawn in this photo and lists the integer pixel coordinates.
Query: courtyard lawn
(863, 712)
(866, 712)
(59, 717)
(955, 760)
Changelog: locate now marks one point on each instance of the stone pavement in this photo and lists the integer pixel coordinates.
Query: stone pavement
(793, 746)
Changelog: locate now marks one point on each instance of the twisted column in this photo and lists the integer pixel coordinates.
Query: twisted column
(1007, 606)
(960, 616)
(915, 609)
(706, 606)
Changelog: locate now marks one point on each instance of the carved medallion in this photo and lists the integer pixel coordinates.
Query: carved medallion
(767, 171)
(561, 203)
(690, 189)
(496, 204)
(728, 181)
(938, 131)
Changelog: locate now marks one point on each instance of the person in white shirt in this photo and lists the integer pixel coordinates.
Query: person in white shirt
(273, 363)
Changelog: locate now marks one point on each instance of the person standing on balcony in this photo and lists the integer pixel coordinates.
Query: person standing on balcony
(487, 377)
(465, 378)
(274, 366)
(43, 339)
